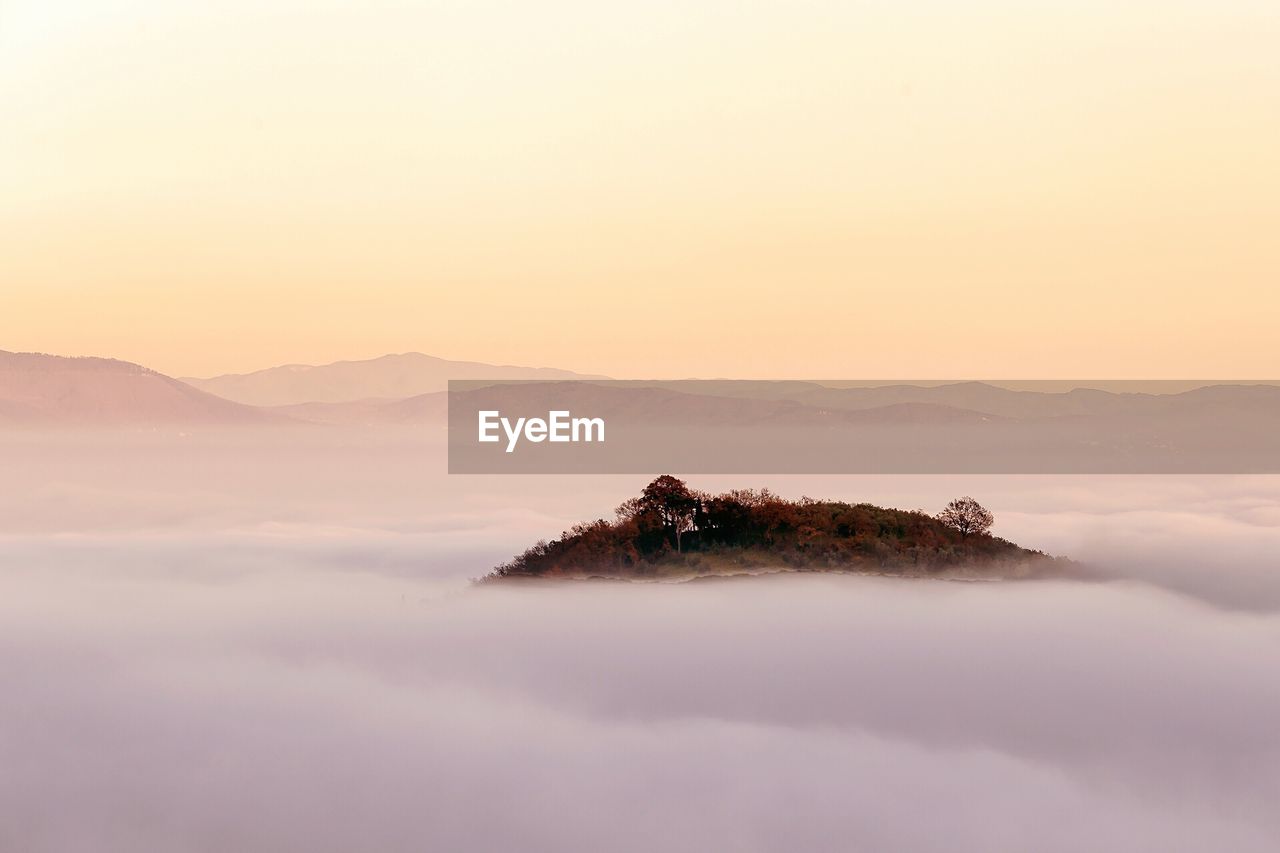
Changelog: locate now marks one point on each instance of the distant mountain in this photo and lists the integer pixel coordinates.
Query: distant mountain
(421, 409)
(38, 389)
(966, 427)
(638, 404)
(905, 401)
(657, 403)
(390, 377)
(980, 397)
(1028, 405)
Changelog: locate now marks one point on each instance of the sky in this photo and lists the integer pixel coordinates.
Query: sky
(845, 189)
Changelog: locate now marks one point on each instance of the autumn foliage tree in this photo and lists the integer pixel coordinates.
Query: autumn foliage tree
(671, 501)
(968, 516)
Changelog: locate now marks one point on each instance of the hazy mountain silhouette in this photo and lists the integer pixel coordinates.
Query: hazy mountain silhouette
(1034, 405)
(709, 426)
(645, 402)
(968, 427)
(39, 389)
(391, 377)
(420, 409)
(633, 404)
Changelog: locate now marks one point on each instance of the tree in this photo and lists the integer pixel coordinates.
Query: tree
(968, 516)
(674, 502)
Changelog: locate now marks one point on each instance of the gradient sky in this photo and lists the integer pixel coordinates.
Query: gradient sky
(872, 189)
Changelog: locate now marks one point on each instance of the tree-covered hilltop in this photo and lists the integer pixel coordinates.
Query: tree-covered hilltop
(670, 530)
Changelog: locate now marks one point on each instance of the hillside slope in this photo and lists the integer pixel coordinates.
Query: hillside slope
(673, 532)
(39, 389)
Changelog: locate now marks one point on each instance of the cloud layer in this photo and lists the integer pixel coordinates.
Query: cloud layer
(211, 652)
(321, 710)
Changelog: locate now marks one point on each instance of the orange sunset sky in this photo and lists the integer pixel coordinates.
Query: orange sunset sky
(838, 189)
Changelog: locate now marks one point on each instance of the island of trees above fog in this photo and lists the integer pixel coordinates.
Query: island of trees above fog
(673, 532)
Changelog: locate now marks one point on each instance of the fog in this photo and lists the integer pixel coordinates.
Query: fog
(211, 644)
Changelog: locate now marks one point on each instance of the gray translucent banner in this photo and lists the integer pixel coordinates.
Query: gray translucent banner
(862, 426)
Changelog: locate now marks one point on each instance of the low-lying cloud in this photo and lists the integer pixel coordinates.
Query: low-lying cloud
(234, 660)
(336, 711)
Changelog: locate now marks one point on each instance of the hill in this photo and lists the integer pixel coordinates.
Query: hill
(673, 532)
(38, 389)
(388, 377)
(422, 409)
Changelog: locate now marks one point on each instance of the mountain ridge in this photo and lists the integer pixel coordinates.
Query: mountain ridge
(42, 389)
(390, 376)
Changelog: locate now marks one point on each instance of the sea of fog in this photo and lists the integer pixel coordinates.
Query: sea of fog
(267, 642)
